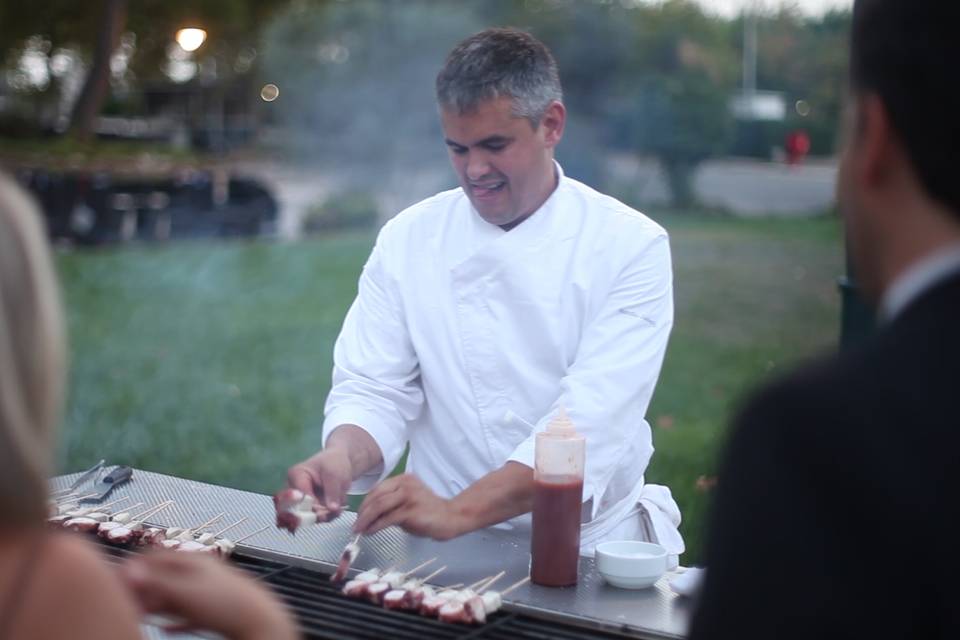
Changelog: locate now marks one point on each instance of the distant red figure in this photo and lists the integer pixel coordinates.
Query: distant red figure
(797, 146)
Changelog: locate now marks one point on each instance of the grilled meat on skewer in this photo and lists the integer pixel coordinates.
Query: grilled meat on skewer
(295, 509)
(347, 558)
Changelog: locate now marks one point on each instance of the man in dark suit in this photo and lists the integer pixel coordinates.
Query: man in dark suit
(838, 496)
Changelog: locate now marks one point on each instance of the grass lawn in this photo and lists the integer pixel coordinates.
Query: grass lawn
(212, 361)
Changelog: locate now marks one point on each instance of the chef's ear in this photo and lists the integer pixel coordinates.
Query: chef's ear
(553, 121)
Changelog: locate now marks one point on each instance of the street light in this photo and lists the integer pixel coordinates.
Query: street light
(191, 38)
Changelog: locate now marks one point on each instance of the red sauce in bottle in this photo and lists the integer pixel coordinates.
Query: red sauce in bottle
(555, 544)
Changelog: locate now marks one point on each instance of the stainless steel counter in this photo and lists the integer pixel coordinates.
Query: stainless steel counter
(650, 613)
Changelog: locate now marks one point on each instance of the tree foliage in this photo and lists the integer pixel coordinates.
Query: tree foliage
(356, 77)
(58, 25)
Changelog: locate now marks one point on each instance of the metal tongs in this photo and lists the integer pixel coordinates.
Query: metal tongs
(86, 475)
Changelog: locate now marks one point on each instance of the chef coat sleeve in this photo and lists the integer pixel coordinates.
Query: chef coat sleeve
(376, 375)
(608, 386)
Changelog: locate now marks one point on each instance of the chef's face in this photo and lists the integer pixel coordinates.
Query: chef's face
(504, 164)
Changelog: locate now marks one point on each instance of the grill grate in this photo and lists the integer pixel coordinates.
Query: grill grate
(324, 613)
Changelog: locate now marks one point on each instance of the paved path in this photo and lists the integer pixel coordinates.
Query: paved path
(745, 188)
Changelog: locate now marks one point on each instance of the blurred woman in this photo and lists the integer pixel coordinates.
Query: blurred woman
(56, 585)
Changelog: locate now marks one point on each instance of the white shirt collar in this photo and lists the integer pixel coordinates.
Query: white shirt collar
(919, 278)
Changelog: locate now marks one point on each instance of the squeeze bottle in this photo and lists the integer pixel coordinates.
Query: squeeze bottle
(559, 455)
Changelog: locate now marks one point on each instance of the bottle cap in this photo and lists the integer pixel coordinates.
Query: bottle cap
(561, 424)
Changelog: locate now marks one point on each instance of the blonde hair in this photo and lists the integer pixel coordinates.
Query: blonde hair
(32, 358)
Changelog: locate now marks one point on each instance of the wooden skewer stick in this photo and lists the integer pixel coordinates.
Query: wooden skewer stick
(134, 506)
(356, 540)
(150, 510)
(76, 498)
(478, 583)
(210, 521)
(490, 582)
(230, 526)
(250, 535)
(110, 504)
(515, 585)
(143, 515)
(418, 567)
(451, 587)
(433, 575)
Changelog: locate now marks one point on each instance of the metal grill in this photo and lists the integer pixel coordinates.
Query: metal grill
(323, 612)
(591, 607)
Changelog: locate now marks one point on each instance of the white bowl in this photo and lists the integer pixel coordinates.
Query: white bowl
(631, 564)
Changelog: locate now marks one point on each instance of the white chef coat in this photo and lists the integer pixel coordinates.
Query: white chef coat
(458, 324)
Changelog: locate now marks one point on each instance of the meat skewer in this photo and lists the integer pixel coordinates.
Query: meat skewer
(59, 507)
(479, 607)
(296, 508)
(96, 513)
(411, 593)
(120, 533)
(224, 547)
(391, 580)
(174, 538)
(99, 508)
(209, 538)
(187, 535)
(126, 516)
(454, 609)
(357, 588)
(87, 520)
(431, 604)
(347, 558)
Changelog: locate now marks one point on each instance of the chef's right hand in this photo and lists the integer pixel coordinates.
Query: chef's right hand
(326, 475)
(349, 453)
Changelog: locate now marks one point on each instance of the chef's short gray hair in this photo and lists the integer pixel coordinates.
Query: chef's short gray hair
(32, 359)
(500, 62)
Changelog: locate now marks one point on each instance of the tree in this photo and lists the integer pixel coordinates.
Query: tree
(674, 105)
(94, 34)
(97, 85)
(654, 80)
(806, 58)
(357, 88)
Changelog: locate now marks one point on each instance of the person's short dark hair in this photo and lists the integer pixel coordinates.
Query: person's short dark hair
(500, 62)
(907, 52)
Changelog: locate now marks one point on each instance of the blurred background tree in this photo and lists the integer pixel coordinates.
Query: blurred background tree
(67, 56)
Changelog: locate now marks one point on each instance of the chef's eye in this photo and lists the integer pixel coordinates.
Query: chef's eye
(457, 150)
(495, 146)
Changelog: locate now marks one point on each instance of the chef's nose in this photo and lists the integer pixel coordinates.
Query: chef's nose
(477, 166)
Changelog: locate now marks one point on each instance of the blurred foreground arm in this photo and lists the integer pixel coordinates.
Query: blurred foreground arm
(206, 594)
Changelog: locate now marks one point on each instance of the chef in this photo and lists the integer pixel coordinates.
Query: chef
(482, 310)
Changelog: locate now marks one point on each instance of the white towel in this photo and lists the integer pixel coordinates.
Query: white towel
(688, 583)
(665, 517)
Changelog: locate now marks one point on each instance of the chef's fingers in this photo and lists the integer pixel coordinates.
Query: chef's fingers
(397, 516)
(384, 498)
(335, 487)
(299, 476)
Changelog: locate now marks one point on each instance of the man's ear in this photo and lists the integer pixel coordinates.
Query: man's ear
(553, 122)
(879, 149)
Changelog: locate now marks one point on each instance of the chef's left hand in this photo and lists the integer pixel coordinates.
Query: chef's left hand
(408, 503)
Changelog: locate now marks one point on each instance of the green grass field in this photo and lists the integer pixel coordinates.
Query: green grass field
(212, 361)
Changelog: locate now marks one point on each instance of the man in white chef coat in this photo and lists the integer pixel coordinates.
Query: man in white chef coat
(482, 310)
